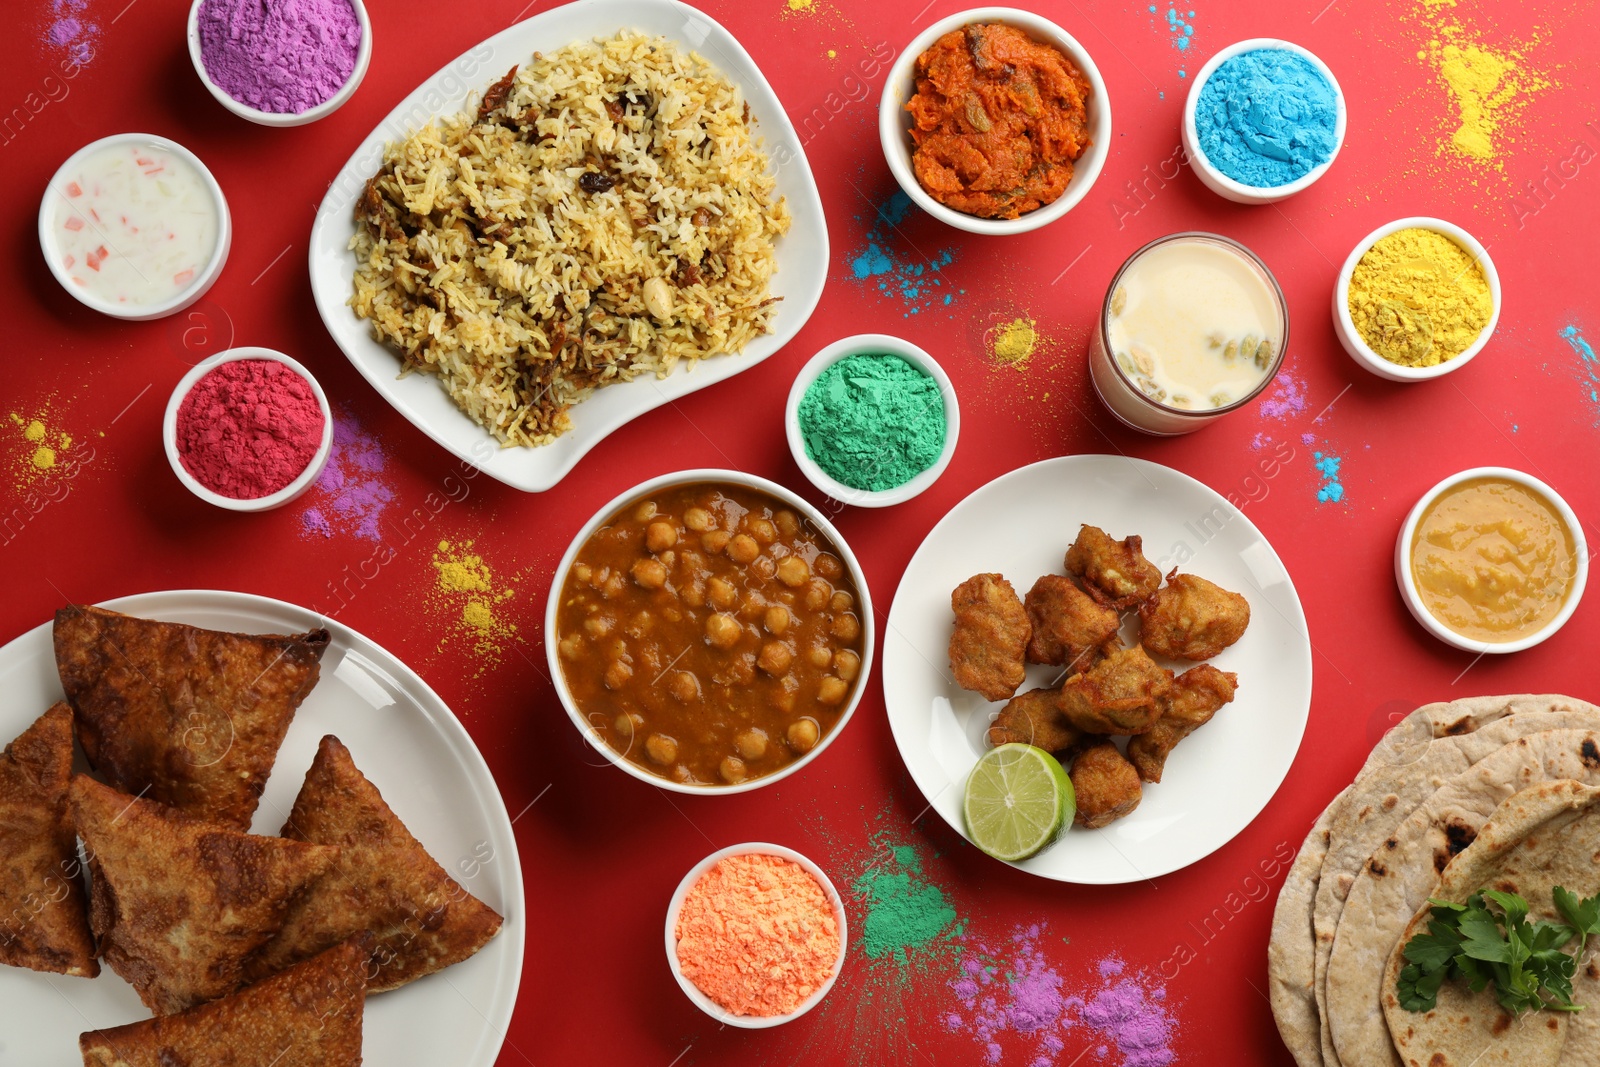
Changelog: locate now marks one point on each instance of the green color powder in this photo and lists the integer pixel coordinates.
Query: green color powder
(873, 421)
(904, 913)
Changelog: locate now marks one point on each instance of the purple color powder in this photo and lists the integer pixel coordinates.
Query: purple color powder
(69, 32)
(351, 492)
(1288, 397)
(282, 56)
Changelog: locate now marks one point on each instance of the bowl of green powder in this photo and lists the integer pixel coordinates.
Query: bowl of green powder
(872, 420)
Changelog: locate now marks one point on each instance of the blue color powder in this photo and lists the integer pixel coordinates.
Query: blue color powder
(1588, 367)
(1266, 118)
(917, 282)
(1331, 491)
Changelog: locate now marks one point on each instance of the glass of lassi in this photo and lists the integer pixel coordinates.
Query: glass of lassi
(1193, 326)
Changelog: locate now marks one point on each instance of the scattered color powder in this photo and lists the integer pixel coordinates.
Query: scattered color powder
(1288, 398)
(917, 283)
(1331, 489)
(36, 448)
(1013, 343)
(1179, 27)
(1489, 89)
(1129, 1015)
(351, 493)
(905, 913)
(1588, 368)
(70, 31)
(464, 581)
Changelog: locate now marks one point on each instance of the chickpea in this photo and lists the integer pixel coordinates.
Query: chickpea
(732, 769)
(650, 660)
(763, 530)
(788, 523)
(598, 625)
(819, 657)
(783, 700)
(752, 744)
(722, 592)
(650, 573)
(723, 630)
(793, 572)
(613, 586)
(845, 627)
(684, 687)
(645, 511)
(775, 657)
(818, 594)
(660, 536)
(832, 690)
(583, 572)
(681, 773)
(693, 593)
(715, 541)
(841, 601)
(828, 566)
(571, 646)
(618, 674)
(847, 663)
(699, 520)
(640, 625)
(763, 568)
(691, 562)
(778, 619)
(804, 734)
(661, 749)
(743, 548)
(626, 723)
(671, 614)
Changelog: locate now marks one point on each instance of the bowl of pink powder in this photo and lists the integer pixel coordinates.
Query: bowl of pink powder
(248, 430)
(756, 935)
(280, 64)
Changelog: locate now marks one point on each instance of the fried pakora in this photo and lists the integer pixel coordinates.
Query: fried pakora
(990, 641)
(1196, 695)
(1034, 718)
(1115, 573)
(1069, 626)
(1119, 695)
(1105, 784)
(1191, 618)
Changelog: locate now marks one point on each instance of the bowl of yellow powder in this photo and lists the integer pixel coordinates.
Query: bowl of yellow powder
(1417, 299)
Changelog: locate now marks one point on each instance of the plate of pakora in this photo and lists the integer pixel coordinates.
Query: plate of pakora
(288, 839)
(1125, 618)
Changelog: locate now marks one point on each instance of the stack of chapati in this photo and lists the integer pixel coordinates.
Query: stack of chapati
(1492, 791)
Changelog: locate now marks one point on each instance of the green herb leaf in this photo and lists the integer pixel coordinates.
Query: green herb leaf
(1582, 915)
(1419, 989)
(1432, 951)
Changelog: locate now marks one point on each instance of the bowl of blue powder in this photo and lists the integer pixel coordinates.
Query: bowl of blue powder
(1264, 120)
(280, 62)
(872, 420)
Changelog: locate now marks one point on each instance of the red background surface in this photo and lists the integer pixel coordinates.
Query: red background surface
(602, 852)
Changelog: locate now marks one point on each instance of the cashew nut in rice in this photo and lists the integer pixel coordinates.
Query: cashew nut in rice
(658, 298)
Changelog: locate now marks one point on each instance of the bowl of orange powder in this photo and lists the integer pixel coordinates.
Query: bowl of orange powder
(756, 935)
(995, 121)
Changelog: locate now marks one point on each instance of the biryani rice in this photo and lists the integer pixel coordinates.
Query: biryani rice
(507, 250)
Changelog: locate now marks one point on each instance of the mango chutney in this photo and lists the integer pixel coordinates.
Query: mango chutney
(1493, 560)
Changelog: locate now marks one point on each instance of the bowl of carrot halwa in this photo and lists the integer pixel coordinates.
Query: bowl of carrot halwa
(995, 121)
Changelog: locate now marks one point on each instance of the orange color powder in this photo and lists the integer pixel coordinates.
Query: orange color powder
(757, 935)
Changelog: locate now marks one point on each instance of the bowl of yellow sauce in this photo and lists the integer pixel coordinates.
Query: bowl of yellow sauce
(1491, 560)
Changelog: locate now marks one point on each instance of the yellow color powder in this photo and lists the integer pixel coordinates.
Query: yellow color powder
(39, 449)
(465, 581)
(1013, 343)
(801, 5)
(1418, 298)
(34, 430)
(1489, 89)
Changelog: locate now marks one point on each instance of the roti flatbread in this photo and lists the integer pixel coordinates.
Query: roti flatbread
(1290, 975)
(307, 1016)
(188, 717)
(44, 917)
(383, 881)
(178, 903)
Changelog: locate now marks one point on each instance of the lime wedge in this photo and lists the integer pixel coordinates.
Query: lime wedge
(1019, 799)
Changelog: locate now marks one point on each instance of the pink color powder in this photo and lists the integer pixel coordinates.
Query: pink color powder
(282, 56)
(352, 491)
(1288, 397)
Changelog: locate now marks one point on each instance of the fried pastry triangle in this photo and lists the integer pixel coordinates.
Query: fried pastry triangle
(307, 1016)
(44, 918)
(188, 717)
(178, 903)
(383, 881)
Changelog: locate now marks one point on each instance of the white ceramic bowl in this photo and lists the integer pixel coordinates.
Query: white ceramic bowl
(202, 280)
(1408, 585)
(809, 513)
(1227, 187)
(275, 118)
(692, 991)
(894, 124)
(870, 343)
(169, 433)
(1351, 338)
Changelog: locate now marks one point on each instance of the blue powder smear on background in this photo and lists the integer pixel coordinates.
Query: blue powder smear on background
(918, 283)
(1588, 366)
(1180, 30)
(1331, 491)
(1266, 118)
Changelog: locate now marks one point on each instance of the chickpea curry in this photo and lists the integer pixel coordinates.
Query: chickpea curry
(998, 120)
(709, 633)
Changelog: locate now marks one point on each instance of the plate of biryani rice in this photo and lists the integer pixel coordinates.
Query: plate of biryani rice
(596, 211)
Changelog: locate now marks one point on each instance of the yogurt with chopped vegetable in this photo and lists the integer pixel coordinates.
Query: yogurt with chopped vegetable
(133, 224)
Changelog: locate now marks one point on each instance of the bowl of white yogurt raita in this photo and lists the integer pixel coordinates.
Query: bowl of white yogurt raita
(135, 226)
(1193, 326)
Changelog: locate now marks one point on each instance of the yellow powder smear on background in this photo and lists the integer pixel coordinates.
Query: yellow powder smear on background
(1012, 344)
(36, 447)
(465, 585)
(1489, 87)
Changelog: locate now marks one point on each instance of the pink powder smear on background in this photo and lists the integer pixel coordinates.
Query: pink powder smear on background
(351, 493)
(1288, 397)
(70, 31)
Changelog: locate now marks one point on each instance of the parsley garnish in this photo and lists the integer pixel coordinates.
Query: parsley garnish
(1490, 940)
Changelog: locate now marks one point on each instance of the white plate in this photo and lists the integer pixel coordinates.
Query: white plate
(802, 252)
(1020, 525)
(414, 750)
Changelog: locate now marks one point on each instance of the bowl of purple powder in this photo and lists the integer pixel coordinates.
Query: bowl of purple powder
(280, 62)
